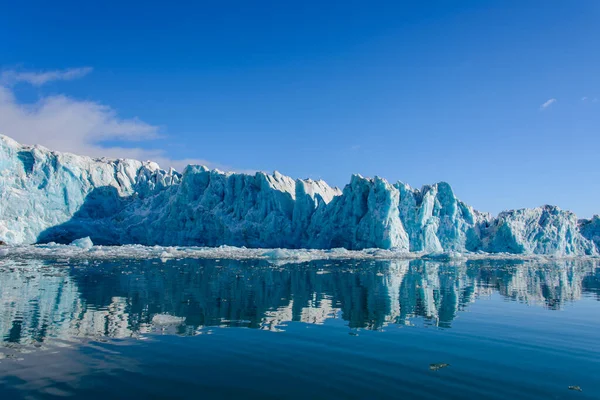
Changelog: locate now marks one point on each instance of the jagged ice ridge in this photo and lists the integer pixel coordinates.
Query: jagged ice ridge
(47, 196)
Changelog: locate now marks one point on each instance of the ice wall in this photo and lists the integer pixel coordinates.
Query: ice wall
(50, 196)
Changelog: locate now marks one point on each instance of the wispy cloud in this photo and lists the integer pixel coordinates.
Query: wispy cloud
(66, 124)
(547, 104)
(584, 98)
(11, 77)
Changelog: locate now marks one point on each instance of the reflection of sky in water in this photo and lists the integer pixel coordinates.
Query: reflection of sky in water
(46, 299)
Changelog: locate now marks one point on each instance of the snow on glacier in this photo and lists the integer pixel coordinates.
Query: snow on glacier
(47, 196)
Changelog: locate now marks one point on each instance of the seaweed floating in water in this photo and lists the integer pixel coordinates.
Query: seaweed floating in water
(435, 367)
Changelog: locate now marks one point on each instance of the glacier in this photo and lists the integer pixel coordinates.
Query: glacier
(53, 197)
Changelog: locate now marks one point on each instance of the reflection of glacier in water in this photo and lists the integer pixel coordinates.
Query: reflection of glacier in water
(56, 300)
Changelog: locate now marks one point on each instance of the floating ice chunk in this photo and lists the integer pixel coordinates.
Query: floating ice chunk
(285, 254)
(448, 256)
(166, 254)
(274, 256)
(83, 243)
(166, 319)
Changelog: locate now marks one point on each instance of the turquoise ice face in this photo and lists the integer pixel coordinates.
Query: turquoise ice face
(47, 196)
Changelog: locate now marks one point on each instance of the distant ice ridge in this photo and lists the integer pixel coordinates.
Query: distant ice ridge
(47, 196)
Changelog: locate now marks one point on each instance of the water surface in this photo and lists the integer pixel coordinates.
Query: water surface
(323, 329)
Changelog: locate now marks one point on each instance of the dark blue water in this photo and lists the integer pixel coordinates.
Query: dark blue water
(249, 329)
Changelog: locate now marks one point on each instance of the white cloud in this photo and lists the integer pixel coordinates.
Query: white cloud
(66, 124)
(11, 77)
(547, 104)
(584, 98)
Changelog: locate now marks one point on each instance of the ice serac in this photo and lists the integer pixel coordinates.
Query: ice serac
(590, 229)
(49, 196)
(213, 208)
(542, 230)
(437, 221)
(40, 189)
(365, 215)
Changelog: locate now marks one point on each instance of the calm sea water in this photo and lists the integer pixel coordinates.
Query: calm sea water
(250, 329)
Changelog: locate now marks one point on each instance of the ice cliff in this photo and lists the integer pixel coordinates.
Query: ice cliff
(49, 196)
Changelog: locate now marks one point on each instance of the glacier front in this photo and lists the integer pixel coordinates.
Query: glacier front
(47, 196)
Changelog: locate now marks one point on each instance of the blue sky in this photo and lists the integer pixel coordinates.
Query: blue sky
(413, 91)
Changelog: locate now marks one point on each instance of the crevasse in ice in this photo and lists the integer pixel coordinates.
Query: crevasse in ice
(48, 196)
